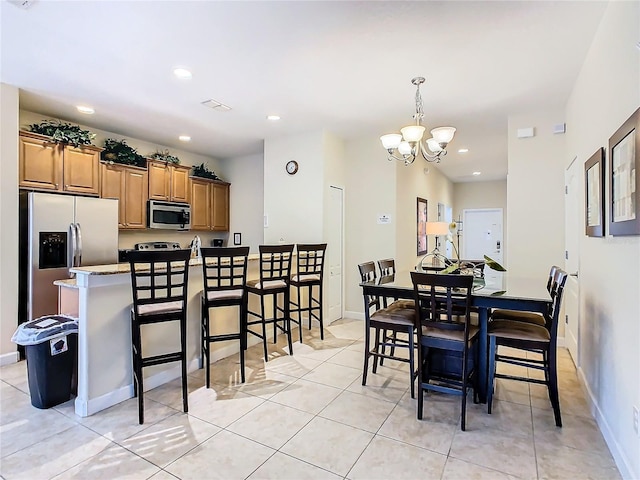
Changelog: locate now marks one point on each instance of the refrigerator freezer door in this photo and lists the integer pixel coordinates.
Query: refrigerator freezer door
(97, 230)
(49, 218)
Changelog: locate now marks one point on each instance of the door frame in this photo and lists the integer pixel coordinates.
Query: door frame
(573, 169)
(342, 257)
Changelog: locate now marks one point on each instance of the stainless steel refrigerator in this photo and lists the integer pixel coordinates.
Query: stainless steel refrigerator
(58, 232)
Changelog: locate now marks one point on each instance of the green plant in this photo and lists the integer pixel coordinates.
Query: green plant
(164, 156)
(203, 171)
(117, 151)
(62, 132)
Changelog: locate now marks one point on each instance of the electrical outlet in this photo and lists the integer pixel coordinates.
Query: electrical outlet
(635, 420)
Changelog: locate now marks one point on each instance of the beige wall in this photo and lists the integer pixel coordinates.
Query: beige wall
(606, 92)
(535, 195)
(8, 221)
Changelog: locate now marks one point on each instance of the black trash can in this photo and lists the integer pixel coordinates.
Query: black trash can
(51, 348)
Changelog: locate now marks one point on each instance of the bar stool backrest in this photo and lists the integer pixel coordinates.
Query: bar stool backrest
(311, 259)
(387, 266)
(275, 263)
(367, 272)
(159, 280)
(224, 268)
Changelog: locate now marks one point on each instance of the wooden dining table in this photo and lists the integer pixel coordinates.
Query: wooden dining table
(511, 292)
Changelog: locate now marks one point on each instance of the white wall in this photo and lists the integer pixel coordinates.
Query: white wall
(293, 203)
(8, 221)
(535, 195)
(246, 175)
(606, 92)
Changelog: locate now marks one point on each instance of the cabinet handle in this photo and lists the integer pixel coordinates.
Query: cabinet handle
(56, 185)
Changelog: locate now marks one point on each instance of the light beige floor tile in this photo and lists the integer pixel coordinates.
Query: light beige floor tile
(506, 416)
(271, 424)
(356, 346)
(121, 420)
(460, 470)
(170, 394)
(223, 407)
(577, 432)
(54, 455)
(329, 445)
(404, 426)
(508, 453)
(358, 411)
(386, 458)
(285, 467)
(571, 402)
(225, 456)
(349, 357)
(291, 365)
(264, 384)
(162, 475)
(333, 375)
(24, 425)
(564, 462)
(381, 387)
(170, 438)
(347, 329)
(321, 352)
(306, 396)
(512, 391)
(114, 462)
(14, 373)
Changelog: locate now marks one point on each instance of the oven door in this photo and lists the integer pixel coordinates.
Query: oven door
(169, 216)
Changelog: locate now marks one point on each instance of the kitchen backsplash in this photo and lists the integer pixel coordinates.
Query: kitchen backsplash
(128, 239)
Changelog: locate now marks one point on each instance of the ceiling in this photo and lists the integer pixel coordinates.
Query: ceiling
(345, 67)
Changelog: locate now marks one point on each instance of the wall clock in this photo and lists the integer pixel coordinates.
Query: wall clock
(292, 167)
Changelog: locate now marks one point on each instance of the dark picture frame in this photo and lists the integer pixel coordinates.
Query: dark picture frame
(594, 171)
(624, 178)
(421, 225)
(237, 239)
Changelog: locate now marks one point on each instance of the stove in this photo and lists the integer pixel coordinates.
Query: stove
(149, 246)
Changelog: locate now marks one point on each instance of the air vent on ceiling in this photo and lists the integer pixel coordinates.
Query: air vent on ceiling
(216, 105)
(23, 4)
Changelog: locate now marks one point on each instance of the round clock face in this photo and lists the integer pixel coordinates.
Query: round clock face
(292, 167)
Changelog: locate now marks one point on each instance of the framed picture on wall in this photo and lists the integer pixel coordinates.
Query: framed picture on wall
(421, 214)
(594, 194)
(624, 178)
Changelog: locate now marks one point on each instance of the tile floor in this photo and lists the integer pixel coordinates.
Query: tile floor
(304, 416)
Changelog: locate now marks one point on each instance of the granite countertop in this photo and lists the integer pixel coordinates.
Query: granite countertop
(117, 268)
(67, 282)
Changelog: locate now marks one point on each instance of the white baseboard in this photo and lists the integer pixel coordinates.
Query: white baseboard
(561, 342)
(353, 315)
(9, 358)
(622, 462)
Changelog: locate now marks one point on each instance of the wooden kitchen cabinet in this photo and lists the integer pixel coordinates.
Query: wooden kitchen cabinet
(209, 205)
(168, 182)
(129, 186)
(45, 165)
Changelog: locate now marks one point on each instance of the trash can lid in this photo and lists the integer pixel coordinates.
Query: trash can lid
(44, 328)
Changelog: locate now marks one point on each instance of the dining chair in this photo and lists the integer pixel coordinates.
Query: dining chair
(159, 288)
(530, 337)
(275, 270)
(224, 274)
(309, 274)
(446, 336)
(394, 318)
(530, 317)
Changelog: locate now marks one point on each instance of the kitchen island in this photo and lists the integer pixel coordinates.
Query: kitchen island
(105, 375)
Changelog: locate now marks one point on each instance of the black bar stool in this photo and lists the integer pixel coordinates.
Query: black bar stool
(309, 274)
(159, 287)
(275, 269)
(224, 273)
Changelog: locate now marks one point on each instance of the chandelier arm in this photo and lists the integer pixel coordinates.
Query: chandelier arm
(406, 161)
(430, 158)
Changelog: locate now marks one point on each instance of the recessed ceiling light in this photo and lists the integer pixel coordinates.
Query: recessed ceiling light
(477, 173)
(184, 138)
(86, 110)
(463, 150)
(273, 118)
(182, 73)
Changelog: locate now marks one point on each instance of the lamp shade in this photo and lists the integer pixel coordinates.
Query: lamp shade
(404, 148)
(391, 140)
(443, 134)
(412, 133)
(433, 145)
(437, 228)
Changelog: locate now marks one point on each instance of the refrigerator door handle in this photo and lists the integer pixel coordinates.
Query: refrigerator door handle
(73, 246)
(79, 233)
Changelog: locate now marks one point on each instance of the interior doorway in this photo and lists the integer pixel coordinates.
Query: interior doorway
(571, 296)
(335, 249)
(482, 235)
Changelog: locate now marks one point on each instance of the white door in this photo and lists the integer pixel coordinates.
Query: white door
(482, 235)
(573, 231)
(334, 252)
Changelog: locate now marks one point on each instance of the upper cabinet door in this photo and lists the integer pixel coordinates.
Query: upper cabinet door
(40, 162)
(159, 181)
(200, 205)
(112, 186)
(180, 189)
(81, 169)
(135, 201)
(220, 207)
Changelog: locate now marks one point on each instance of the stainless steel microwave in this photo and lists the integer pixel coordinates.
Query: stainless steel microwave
(168, 215)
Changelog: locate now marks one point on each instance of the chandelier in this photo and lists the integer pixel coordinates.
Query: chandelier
(410, 142)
